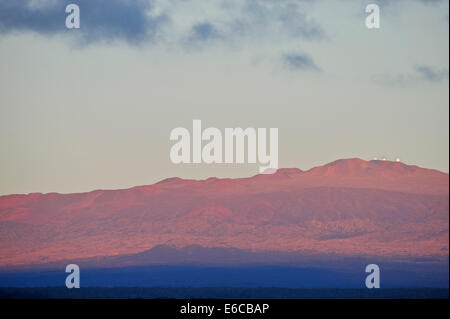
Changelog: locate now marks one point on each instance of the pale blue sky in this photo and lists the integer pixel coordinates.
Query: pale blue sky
(93, 108)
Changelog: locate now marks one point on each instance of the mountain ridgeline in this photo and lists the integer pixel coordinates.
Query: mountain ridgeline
(350, 208)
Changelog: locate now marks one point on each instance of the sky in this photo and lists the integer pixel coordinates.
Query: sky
(93, 108)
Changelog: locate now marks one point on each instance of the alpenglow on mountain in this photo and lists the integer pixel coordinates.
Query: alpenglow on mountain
(349, 207)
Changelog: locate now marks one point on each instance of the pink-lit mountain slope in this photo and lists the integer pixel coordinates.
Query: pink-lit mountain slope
(350, 207)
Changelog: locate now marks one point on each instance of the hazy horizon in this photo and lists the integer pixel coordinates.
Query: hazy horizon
(202, 179)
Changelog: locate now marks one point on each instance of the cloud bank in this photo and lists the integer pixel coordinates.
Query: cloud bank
(182, 21)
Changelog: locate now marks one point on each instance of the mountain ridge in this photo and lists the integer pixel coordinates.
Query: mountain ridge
(349, 207)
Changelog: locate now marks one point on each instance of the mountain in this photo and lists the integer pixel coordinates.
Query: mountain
(349, 207)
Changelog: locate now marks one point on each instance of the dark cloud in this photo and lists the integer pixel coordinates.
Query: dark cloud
(104, 20)
(204, 31)
(431, 74)
(299, 62)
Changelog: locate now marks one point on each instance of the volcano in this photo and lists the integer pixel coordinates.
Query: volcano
(349, 207)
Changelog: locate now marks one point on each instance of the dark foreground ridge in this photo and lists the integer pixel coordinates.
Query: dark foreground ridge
(220, 293)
